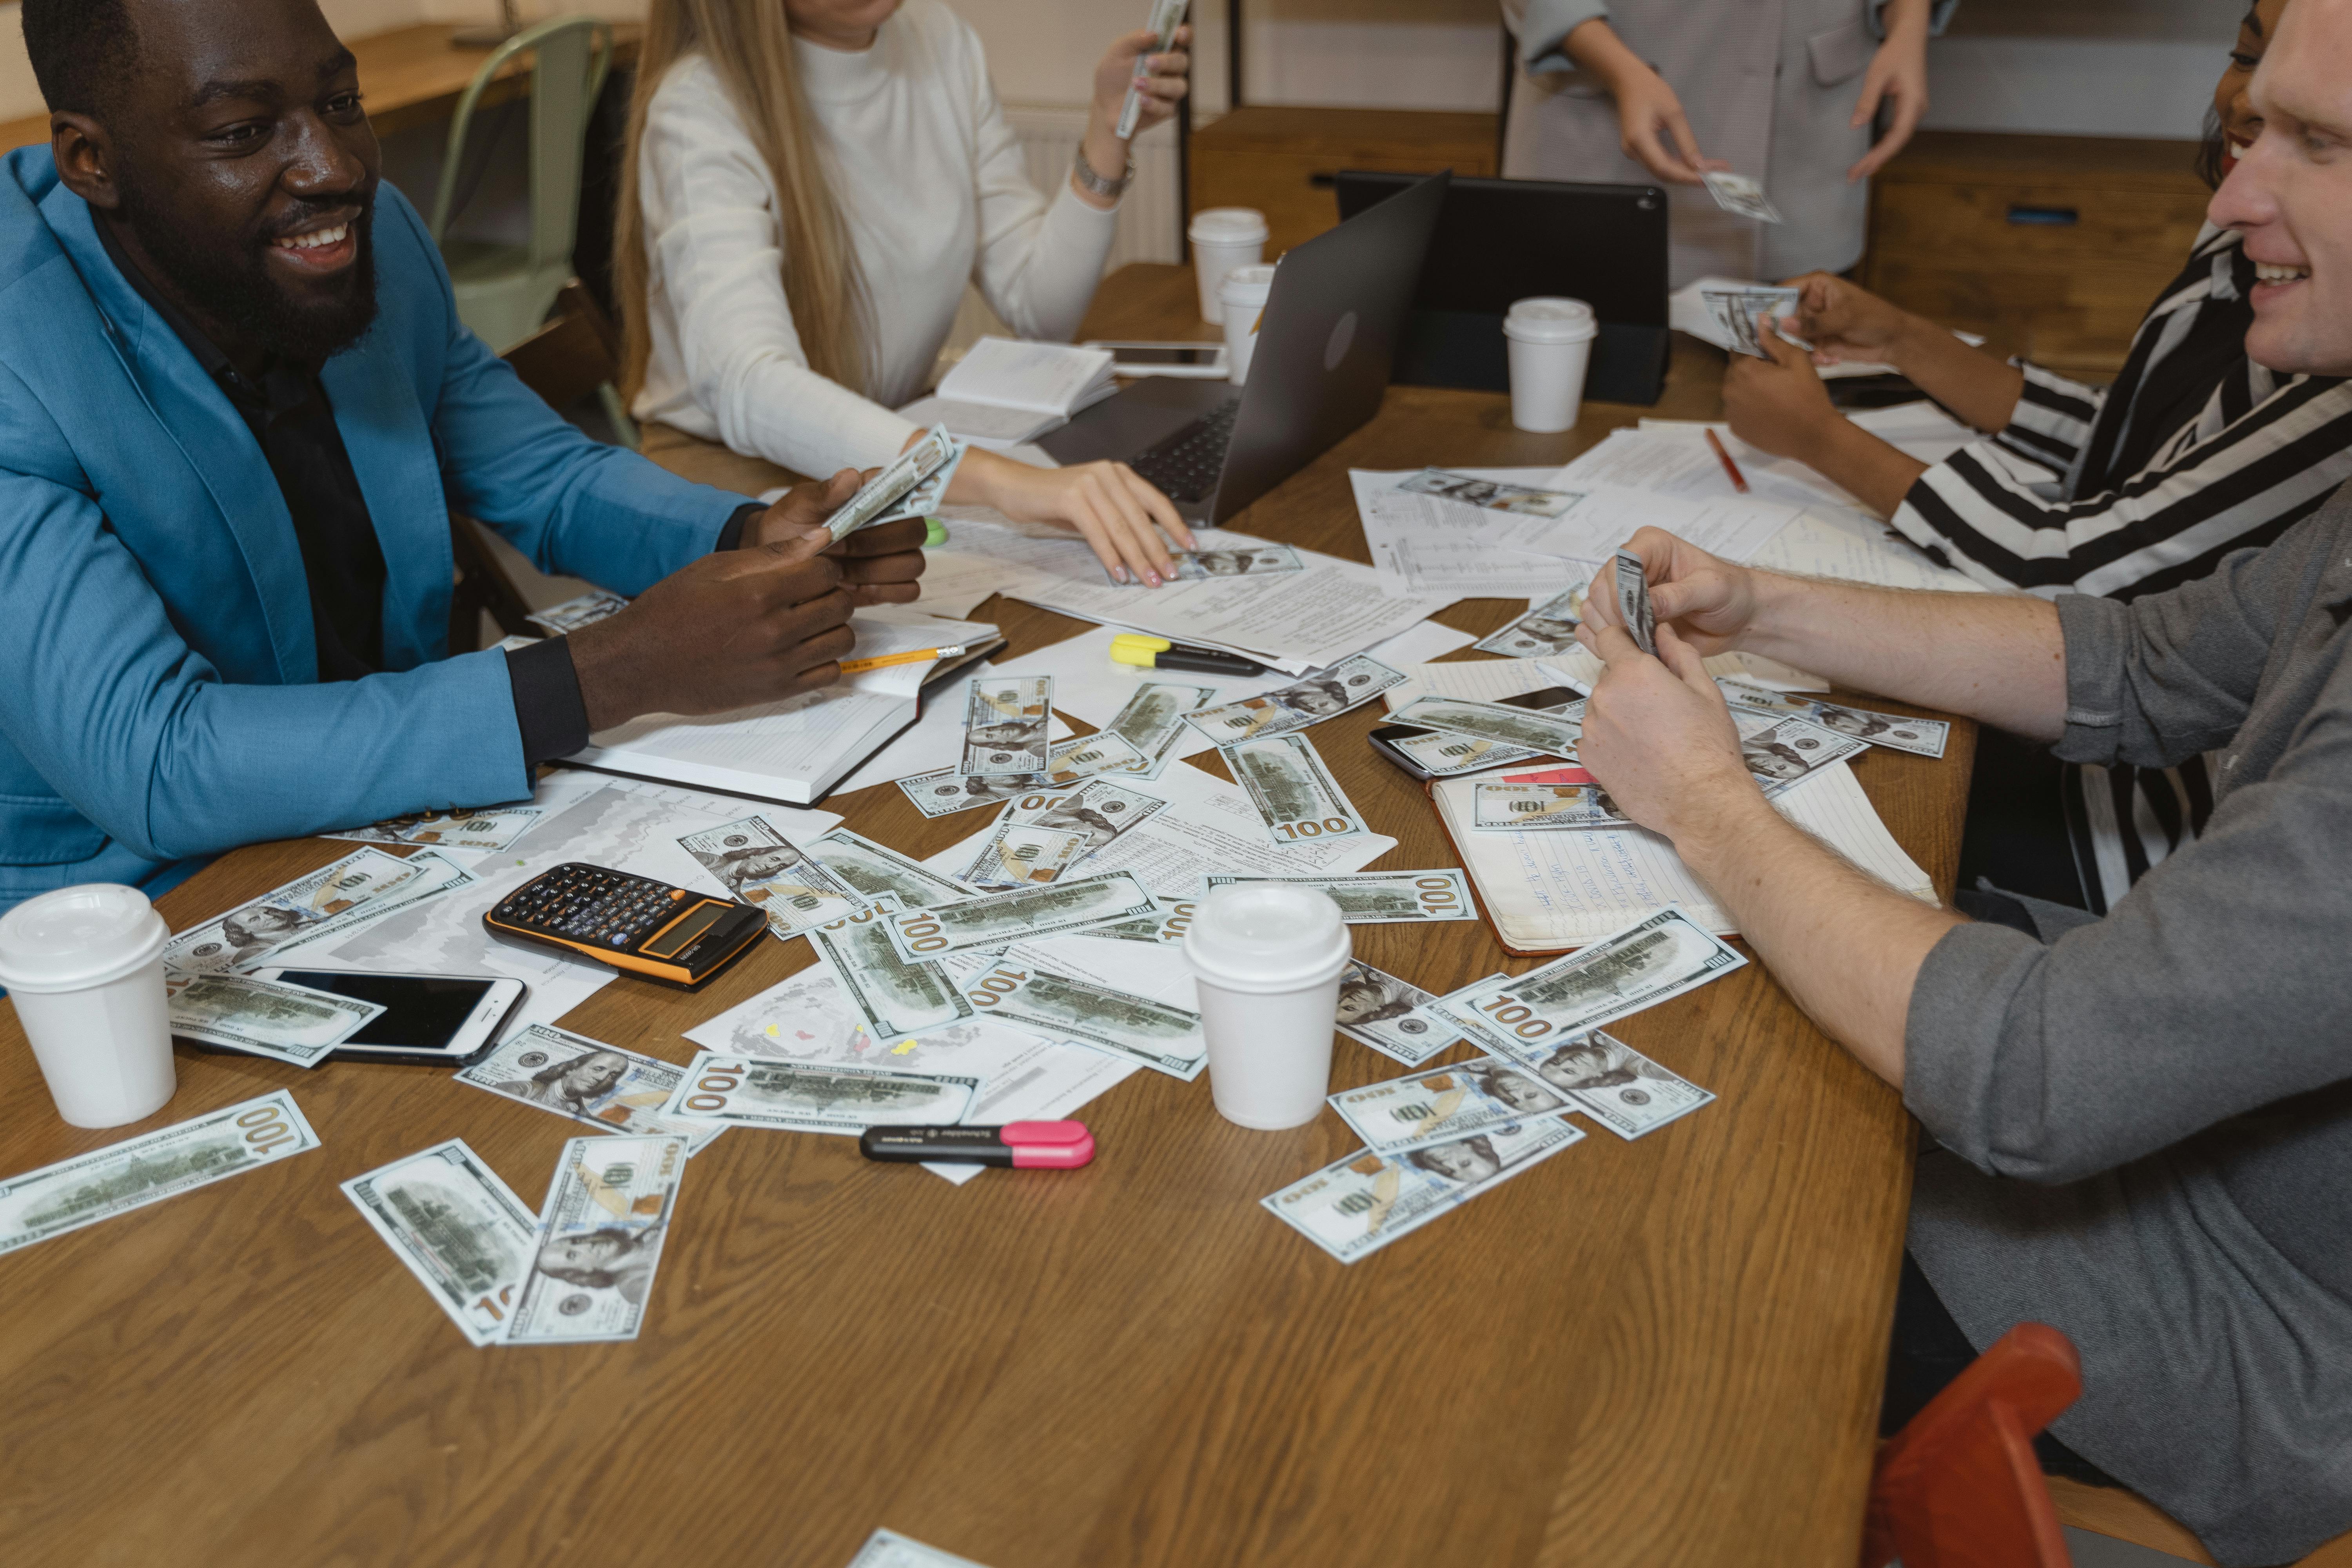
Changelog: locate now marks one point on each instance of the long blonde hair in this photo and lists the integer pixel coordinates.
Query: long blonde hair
(750, 47)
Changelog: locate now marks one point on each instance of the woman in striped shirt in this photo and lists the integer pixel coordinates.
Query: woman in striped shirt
(2195, 451)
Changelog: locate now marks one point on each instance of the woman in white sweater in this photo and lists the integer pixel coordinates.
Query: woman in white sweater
(808, 186)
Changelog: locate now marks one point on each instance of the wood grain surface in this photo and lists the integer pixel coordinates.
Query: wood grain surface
(1661, 1352)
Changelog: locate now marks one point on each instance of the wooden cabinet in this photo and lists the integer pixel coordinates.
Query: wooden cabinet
(2053, 246)
(1281, 160)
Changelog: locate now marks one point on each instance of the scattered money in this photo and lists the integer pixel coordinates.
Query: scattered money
(888, 1549)
(1741, 194)
(1444, 753)
(872, 870)
(1514, 807)
(609, 1089)
(1656, 958)
(284, 1023)
(1735, 311)
(1294, 794)
(599, 1241)
(992, 919)
(760, 866)
(1083, 758)
(1358, 1204)
(1634, 601)
(1377, 898)
(799, 1096)
(1167, 925)
(1613, 1083)
(947, 791)
(1921, 737)
(1201, 566)
(1547, 734)
(573, 613)
(890, 493)
(1317, 695)
(1442, 1104)
(494, 828)
(1378, 1010)
(1493, 495)
(896, 996)
(330, 902)
(1548, 629)
(1004, 722)
(1017, 856)
(1166, 15)
(459, 1229)
(1159, 1036)
(1153, 722)
(1782, 752)
(1094, 815)
(149, 1168)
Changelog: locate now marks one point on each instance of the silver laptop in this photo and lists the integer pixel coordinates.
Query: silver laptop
(1333, 323)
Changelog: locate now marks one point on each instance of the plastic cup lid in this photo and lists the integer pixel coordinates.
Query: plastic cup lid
(1266, 936)
(1551, 322)
(1246, 285)
(77, 937)
(1228, 225)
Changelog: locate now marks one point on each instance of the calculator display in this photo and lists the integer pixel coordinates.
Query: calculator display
(669, 942)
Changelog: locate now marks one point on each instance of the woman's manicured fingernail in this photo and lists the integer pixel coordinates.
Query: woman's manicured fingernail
(1119, 573)
(1150, 578)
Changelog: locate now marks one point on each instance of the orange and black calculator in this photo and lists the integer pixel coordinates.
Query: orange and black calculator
(637, 925)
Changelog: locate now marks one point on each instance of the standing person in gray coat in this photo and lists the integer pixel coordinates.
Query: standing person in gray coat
(2145, 1119)
(1784, 91)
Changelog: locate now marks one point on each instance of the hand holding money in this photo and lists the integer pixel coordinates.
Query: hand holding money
(1659, 737)
(1140, 79)
(1711, 601)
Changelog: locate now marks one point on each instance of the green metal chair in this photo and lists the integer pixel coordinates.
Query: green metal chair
(504, 291)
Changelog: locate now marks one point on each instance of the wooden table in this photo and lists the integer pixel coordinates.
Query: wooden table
(412, 76)
(1660, 1352)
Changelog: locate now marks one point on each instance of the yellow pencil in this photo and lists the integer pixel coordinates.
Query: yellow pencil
(853, 665)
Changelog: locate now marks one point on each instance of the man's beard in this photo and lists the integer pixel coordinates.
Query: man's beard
(234, 285)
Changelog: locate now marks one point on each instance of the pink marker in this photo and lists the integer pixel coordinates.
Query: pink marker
(1027, 1145)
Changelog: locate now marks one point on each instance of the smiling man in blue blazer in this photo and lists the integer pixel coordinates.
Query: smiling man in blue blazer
(237, 406)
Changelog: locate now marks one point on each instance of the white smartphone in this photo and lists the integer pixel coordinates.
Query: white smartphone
(433, 1020)
(1203, 361)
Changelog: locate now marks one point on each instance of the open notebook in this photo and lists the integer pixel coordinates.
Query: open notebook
(795, 750)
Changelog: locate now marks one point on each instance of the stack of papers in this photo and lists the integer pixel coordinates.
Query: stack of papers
(1005, 391)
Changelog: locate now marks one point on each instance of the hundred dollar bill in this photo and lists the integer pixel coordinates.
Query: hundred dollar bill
(1377, 898)
(1443, 754)
(1295, 795)
(1922, 737)
(1735, 313)
(284, 1023)
(804, 1097)
(599, 1241)
(1785, 752)
(1083, 758)
(609, 1089)
(330, 902)
(1167, 925)
(494, 828)
(1548, 629)
(1443, 1104)
(1356, 1206)
(1166, 15)
(1613, 1083)
(947, 791)
(761, 866)
(1018, 855)
(1317, 695)
(1201, 566)
(149, 1168)
(992, 919)
(1513, 807)
(1549, 734)
(1659, 957)
(1632, 583)
(1741, 194)
(888, 1549)
(573, 613)
(1378, 1010)
(873, 870)
(886, 497)
(930, 493)
(459, 1229)
(1153, 722)
(1005, 719)
(1493, 495)
(1159, 1036)
(896, 996)
(1096, 811)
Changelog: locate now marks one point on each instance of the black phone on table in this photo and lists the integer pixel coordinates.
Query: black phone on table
(430, 1020)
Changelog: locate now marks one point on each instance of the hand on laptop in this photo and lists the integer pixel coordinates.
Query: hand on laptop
(1128, 523)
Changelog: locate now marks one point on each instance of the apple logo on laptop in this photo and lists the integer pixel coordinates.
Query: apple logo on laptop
(1343, 337)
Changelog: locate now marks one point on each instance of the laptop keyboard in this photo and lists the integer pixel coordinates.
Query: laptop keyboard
(1187, 463)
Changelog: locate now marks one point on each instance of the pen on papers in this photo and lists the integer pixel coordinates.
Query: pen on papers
(1738, 479)
(1030, 1145)
(882, 661)
(1159, 653)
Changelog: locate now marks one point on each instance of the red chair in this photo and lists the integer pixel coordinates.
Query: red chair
(1959, 1487)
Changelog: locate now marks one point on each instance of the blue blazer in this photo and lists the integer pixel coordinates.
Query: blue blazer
(163, 702)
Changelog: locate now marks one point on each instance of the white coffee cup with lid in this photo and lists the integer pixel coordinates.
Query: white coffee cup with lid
(85, 968)
(1268, 957)
(1550, 344)
(1244, 294)
(1223, 239)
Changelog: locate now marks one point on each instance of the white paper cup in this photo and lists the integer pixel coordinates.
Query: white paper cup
(1550, 349)
(1223, 239)
(1244, 295)
(85, 968)
(1268, 958)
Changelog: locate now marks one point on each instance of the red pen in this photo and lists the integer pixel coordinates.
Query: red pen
(1029, 1145)
(1738, 479)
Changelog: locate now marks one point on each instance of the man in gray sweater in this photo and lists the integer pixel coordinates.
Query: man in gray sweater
(2146, 1119)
